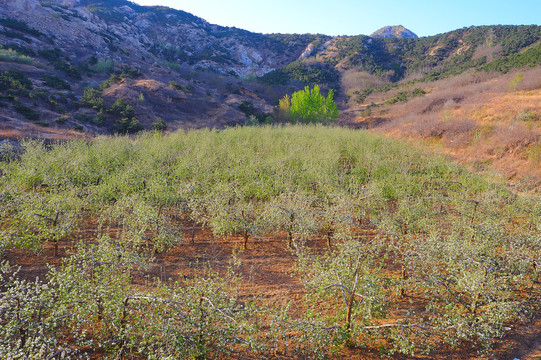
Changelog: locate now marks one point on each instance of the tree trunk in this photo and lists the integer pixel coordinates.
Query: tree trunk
(329, 237)
(193, 232)
(245, 244)
(404, 277)
(351, 301)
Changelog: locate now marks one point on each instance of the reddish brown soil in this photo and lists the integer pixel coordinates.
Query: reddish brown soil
(266, 268)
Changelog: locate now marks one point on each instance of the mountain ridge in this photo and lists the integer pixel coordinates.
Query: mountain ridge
(170, 64)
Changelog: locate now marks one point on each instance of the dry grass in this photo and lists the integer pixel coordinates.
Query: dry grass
(477, 117)
(354, 80)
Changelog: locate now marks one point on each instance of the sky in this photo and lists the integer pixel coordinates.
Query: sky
(357, 17)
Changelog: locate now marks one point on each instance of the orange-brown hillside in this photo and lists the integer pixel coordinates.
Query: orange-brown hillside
(490, 121)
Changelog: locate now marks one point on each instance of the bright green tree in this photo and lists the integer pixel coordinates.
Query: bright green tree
(309, 106)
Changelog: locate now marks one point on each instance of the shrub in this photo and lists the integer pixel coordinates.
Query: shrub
(128, 125)
(180, 87)
(20, 26)
(50, 55)
(21, 49)
(14, 80)
(62, 120)
(121, 108)
(69, 69)
(247, 108)
(404, 96)
(527, 115)
(302, 72)
(516, 81)
(9, 55)
(55, 82)
(92, 98)
(27, 112)
(102, 65)
(159, 125)
(54, 56)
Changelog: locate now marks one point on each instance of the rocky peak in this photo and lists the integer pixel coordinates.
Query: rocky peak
(397, 31)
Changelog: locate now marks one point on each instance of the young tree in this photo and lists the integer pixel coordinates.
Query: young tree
(159, 125)
(284, 111)
(309, 106)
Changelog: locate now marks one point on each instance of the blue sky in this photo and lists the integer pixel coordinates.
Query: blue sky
(350, 17)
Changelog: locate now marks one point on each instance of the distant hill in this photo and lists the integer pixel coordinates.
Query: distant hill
(101, 66)
(394, 32)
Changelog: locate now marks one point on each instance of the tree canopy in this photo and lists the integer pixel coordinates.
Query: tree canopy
(310, 106)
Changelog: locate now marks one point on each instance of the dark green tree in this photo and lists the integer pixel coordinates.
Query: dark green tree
(92, 98)
(159, 125)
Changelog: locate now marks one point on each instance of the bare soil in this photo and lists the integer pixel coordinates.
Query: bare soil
(266, 268)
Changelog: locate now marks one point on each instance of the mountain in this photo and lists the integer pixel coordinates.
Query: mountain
(183, 69)
(394, 32)
(115, 66)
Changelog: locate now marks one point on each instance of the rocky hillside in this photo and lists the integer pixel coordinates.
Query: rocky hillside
(115, 66)
(394, 32)
(162, 62)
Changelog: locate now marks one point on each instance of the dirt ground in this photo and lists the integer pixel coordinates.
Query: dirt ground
(266, 268)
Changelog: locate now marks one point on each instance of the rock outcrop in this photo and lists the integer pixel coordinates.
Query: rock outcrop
(397, 31)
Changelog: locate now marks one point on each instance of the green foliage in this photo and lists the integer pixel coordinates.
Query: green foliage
(528, 58)
(128, 125)
(515, 82)
(180, 87)
(10, 55)
(55, 57)
(92, 98)
(68, 68)
(55, 82)
(309, 106)
(15, 35)
(121, 108)
(62, 120)
(159, 125)
(404, 96)
(29, 318)
(51, 55)
(407, 232)
(442, 55)
(21, 49)
(103, 65)
(20, 26)
(123, 73)
(126, 121)
(309, 74)
(14, 80)
(26, 111)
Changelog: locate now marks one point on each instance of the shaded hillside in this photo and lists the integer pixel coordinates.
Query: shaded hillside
(65, 63)
(181, 68)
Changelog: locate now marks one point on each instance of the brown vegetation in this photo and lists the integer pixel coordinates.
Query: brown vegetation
(487, 120)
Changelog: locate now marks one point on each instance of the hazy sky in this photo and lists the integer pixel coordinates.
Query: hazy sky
(354, 17)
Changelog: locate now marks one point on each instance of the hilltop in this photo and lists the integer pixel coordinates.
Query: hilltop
(397, 31)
